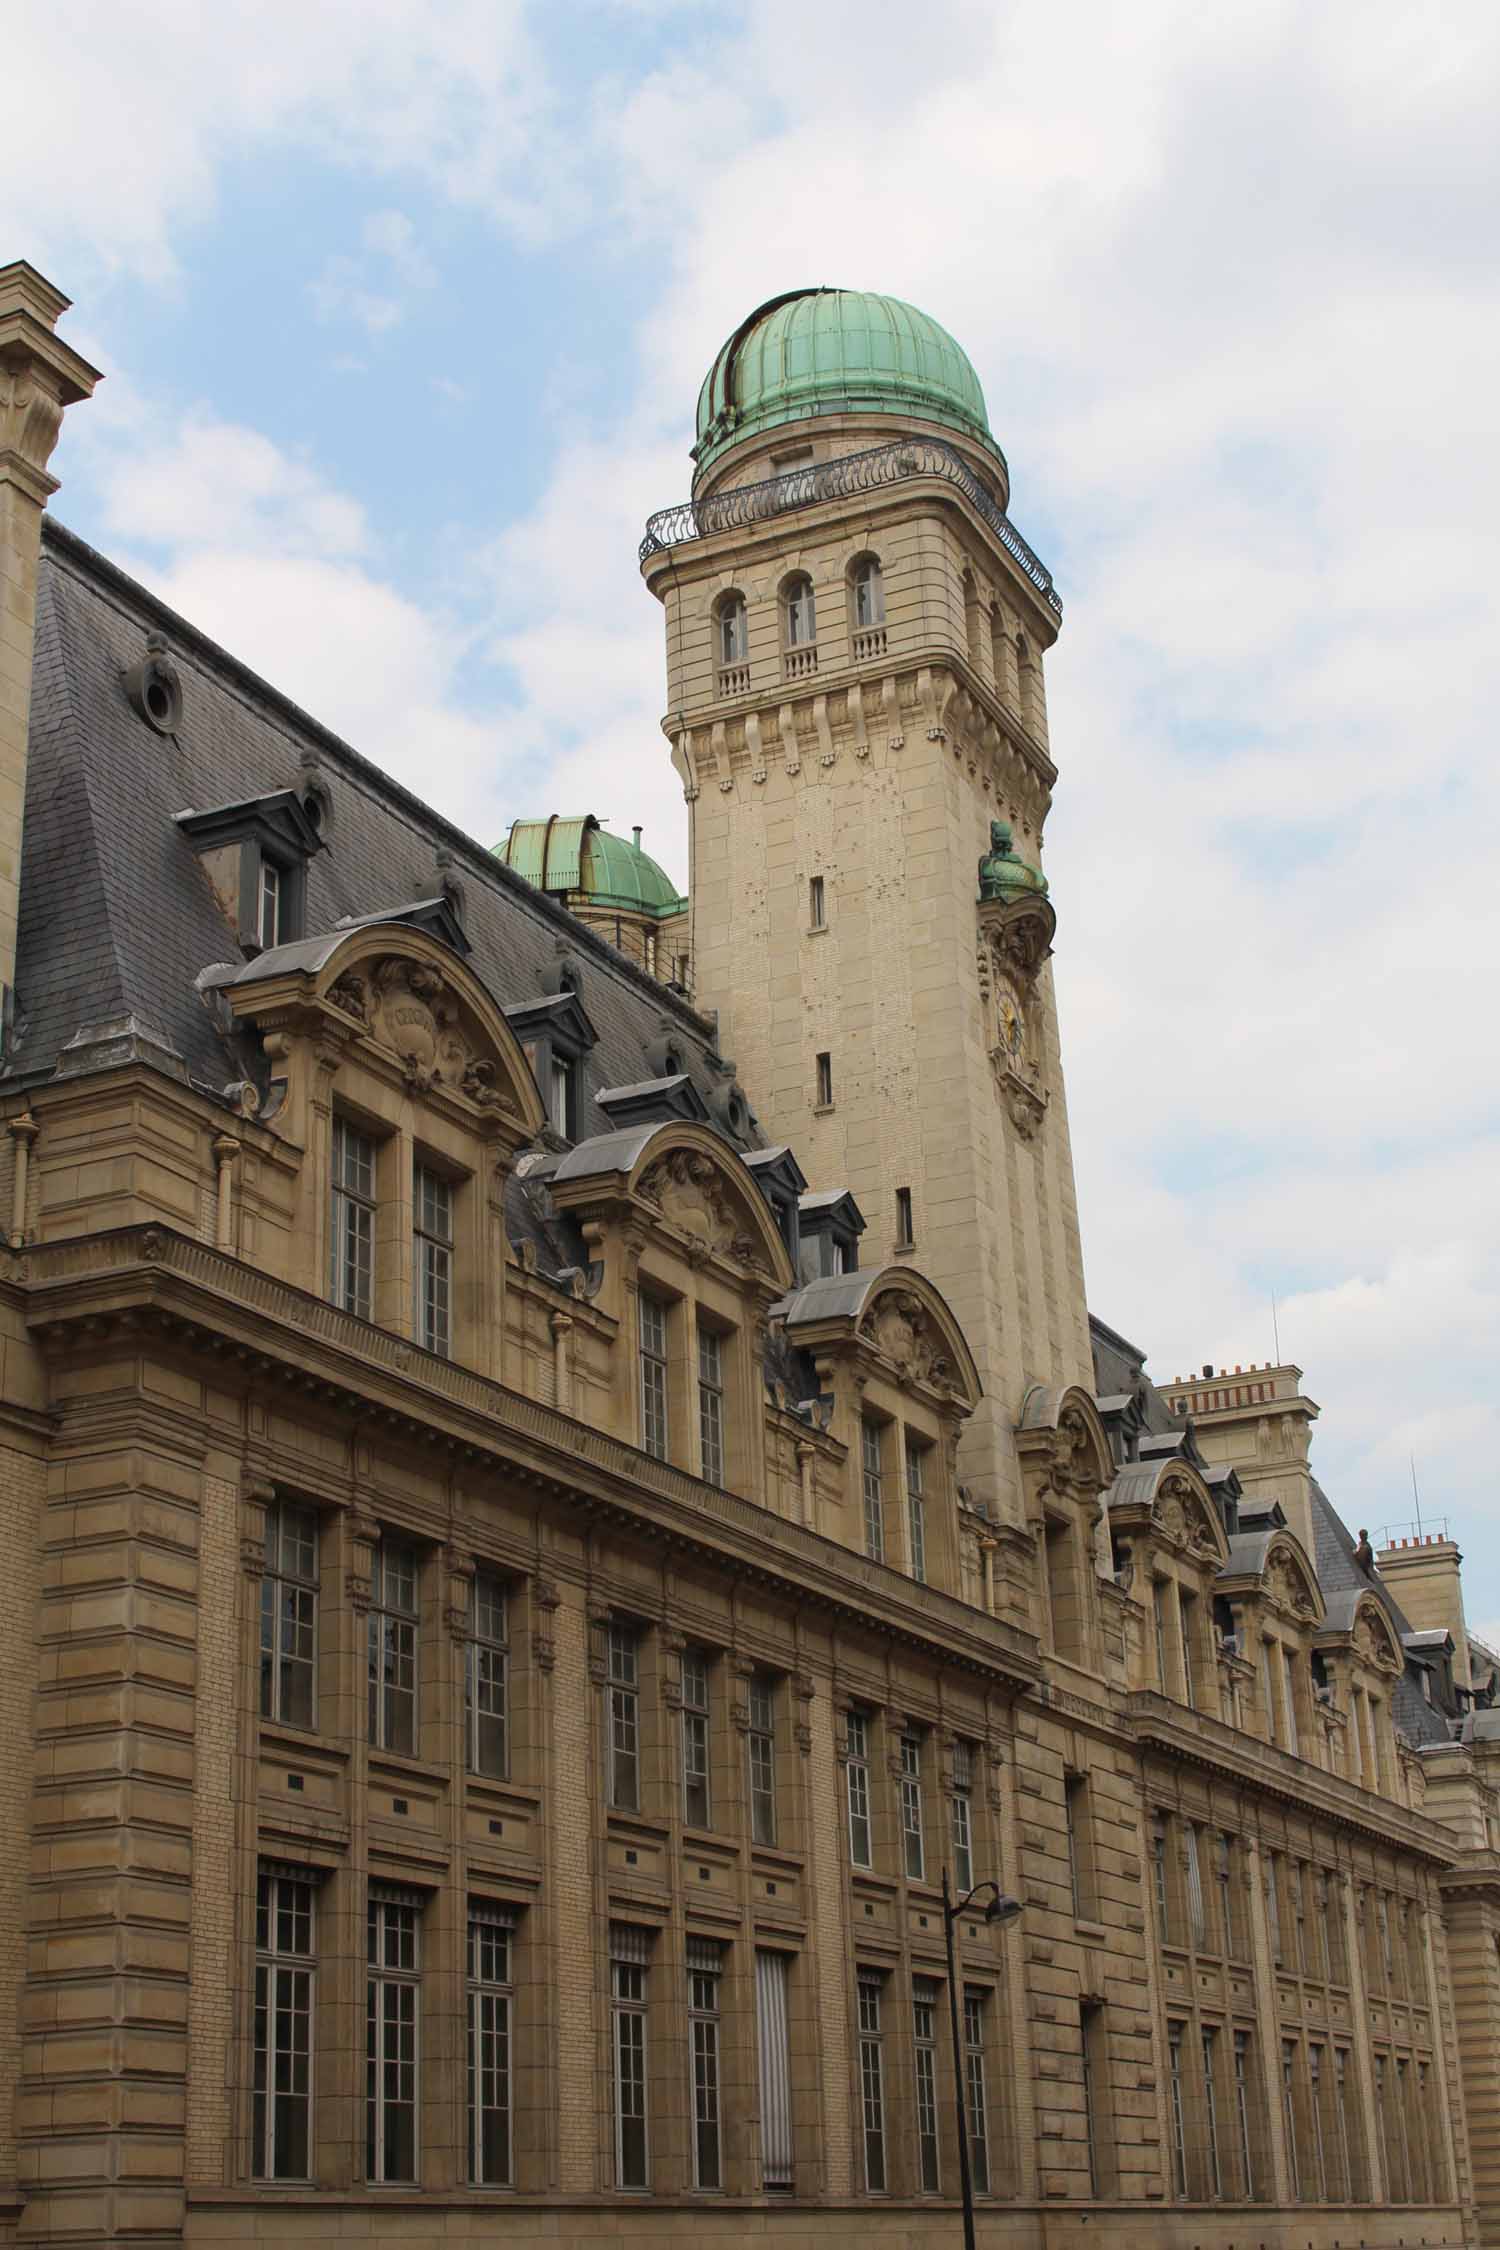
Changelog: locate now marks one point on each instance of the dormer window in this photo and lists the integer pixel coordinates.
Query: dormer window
(255, 857)
(562, 1096)
(269, 926)
(556, 1034)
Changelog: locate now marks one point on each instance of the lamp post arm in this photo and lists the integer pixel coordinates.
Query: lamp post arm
(951, 1913)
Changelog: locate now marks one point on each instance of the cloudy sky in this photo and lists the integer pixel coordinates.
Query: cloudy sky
(404, 305)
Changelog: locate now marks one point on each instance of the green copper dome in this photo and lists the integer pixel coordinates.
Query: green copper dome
(567, 855)
(836, 351)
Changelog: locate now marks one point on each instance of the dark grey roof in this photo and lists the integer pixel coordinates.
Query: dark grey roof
(833, 1296)
(101, 841)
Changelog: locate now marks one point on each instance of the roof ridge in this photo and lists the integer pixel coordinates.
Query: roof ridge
(75, 557)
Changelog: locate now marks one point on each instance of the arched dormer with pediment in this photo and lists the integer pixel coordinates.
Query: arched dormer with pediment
(898, 1381)
(402, 1097)
(1169, 1545)
(1277, 1606)
(1066, 1466)
(1363, 1661)
(691, 1261)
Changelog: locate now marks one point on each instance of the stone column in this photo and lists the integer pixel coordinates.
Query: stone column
(39, 376)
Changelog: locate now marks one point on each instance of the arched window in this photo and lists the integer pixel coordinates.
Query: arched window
(732, 630)
(799, 612)
(1025, 679)
(971, 618)
(869, 594)
(998, 663)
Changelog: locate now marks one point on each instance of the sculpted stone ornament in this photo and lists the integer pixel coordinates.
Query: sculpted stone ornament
(409, 1008)
(898, 1326)
(688, 1190)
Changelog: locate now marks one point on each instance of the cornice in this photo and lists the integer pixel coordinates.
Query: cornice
(171, 1287)
(1196, 1739)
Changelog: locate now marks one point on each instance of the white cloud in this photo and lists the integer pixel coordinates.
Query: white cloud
(373, 288)
(1226, 275)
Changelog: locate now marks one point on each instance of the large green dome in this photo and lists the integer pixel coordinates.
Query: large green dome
(836, 351)
(572, 855)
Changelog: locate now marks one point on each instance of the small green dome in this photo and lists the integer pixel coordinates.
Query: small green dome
(568, 855)
(1003, 874)
(836, 351)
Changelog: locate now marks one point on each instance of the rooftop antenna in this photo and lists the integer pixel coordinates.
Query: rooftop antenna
(1416, 1498)
(1275, 1330)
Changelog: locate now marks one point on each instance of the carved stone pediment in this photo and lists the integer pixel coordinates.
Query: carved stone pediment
(688, 1190)
(409, 1008)
(899, 1328)
(1288, 1588)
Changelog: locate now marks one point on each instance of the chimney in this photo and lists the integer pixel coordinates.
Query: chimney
(1424, 1575)
(636, 834)
(39, 376)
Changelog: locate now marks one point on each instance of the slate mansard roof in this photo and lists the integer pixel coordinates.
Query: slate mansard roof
(117, 917)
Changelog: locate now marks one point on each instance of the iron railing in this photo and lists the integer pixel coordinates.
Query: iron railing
(747, 504)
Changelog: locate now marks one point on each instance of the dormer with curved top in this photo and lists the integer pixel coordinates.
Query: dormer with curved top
(1363, 1661)
(1169, 1547)
(1276, 1603)
(897, 1381)
(691, 1260)
(399, 1098)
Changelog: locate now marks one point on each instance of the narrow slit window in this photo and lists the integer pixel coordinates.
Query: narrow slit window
(817, 905)
(490, 2000)
(825, 1081)
(905, 1235)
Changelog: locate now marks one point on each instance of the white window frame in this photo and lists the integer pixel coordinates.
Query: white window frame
(630, 2051)
(270, 894)
(732, 622)
(976, 2086)
(872, 1484)
(924, 2009)
(487, 1673)
(289, 1613)
(655, 1386)
(913, 1452)
(869, 594)
(961, 1820)
(392, 2011)
(354, 1173)
(870, 1985)
(760, 1751)
(491, 2030)
(913, 1842)
(801, 612)
(705, 1967)
(285, 2019)
(432, 1261)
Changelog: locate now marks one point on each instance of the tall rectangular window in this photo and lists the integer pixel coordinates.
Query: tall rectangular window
(761, 1754)
(1159, 1878)
(857, 1771)
(1095, 2077)
(1224, 1874)
(563, 1091)
(394, 1581)
(1315, 2121)
(824, 1068)
(653, 1319)
(872, 1484)
(1289, 2113)
(711, 1404)
(1078, 1819)
(976, 2088)
(911, 1808)
(289, 1615)
(1342, 2144)
(391, 2040)
(705, 1960)
(924, 2059)
(487, 1678)
(776, 2143)
(695, 1715)
(351, 1233)
(961, 1824)
(1242, 2113)
(1210, 2045)
(1187, 1625)
(281, 2130)
(624, 1719)
(905, 1232)
(817, 911)
(916, 1508)
(1197, 1918)
(1273, 1905)
(1289, 1677)
(432, 1201)
(1160, 1588)
(1295, 1877)
(872, 2082)
(1179, 2120)
(629, 1950)
(490, 1999)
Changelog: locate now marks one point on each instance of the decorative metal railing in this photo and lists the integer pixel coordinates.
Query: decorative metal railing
(852, 473)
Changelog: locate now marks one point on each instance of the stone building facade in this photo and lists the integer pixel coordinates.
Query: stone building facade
(514, 1606)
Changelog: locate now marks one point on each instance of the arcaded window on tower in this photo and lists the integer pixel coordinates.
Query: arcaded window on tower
(869, 594)
(732, 630)
(800, 612)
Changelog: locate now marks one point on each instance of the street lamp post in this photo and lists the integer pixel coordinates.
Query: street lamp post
(997, 1908)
